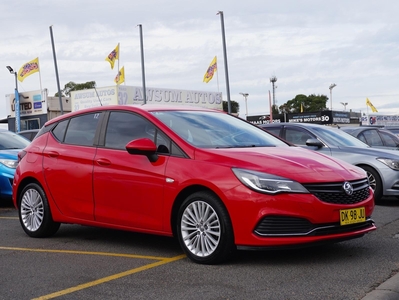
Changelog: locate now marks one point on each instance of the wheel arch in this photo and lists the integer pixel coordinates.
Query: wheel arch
(24, 182)
(183, 195)
(362, 165)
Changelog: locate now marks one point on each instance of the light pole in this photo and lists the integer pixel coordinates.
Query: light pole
(245, 95)
(17, 108)
(344, 104)
(226, 71)
(273, 80)
(142, 64)
(333, 85)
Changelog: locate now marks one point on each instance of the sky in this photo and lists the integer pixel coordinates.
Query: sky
(306, 44)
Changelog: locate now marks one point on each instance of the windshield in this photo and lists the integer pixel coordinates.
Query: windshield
(206, 129)
(11, 140)
(337, 137)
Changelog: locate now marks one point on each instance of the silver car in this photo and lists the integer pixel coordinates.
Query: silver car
(382, 166)
(374, 136)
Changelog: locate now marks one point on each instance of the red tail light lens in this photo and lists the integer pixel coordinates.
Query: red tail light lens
(21, 155)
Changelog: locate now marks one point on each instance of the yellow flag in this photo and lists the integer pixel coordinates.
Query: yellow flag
(301, 107)
(113, 56)
(120, 78)
(371, 105)
(28, 69)
(210, 71)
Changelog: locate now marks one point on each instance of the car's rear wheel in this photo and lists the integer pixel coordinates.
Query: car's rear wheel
(204, 229)
(34, 212)
(375, 182)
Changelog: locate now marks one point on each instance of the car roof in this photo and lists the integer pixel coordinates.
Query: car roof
(293, 124)
(133, 107)
(29, 130)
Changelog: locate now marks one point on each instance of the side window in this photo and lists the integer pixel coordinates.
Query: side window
(273, 130)
(372, 138)
(297, 136)
(81, 129)
(362, 138)
(124, 127)
(60, 129)
(388, 140)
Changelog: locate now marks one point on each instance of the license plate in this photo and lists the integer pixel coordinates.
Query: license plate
(352, 216)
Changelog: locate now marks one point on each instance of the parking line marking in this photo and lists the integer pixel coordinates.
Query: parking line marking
(10, 218)
(110, 278)
(86, 253)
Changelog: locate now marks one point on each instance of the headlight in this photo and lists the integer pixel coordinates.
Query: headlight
(392, 163)
(268, 183)
(10, 163)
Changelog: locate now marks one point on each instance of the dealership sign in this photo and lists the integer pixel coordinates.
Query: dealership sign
(30, 104)
(122, 94)
(321, 117)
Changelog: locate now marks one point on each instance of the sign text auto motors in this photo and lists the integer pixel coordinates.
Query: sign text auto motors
(134, 95)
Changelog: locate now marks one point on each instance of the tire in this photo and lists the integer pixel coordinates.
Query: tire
(375, 182)
(34, 212)
(204, 229)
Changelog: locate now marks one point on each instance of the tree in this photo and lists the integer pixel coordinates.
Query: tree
(309, 103)
(235, 107)
(72, 86)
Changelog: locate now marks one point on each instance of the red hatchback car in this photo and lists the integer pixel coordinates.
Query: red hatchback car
(214, 181)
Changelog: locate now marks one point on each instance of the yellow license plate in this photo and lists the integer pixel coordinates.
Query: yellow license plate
(352, 216)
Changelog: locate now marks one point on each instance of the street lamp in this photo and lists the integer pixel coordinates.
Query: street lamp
(245, 95)
(344, 104)
(17, 108)
(333, 85)
(273, 80)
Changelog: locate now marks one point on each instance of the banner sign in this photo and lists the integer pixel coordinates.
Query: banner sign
(134, 95)
(380, 120)
(30, 104)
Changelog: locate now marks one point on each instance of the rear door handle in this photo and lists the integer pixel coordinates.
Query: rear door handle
(52, 154)
(103, 162)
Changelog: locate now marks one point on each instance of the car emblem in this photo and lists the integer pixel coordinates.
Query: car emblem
(348, 188)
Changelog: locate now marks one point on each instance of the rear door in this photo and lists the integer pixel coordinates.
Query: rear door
(68, 165)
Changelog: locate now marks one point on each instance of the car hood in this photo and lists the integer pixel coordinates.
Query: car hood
(296, 163)
(9, 154)
(371, 151)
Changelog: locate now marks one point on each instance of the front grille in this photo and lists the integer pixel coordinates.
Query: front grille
(334, 192)
(281, 226)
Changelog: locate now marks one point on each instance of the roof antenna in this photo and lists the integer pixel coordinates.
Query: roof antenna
(99, 100)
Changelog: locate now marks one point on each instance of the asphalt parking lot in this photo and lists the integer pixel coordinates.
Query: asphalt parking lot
(92, 263)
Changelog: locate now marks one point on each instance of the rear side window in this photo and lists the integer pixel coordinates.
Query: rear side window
(373, 138)
(60, 129)
(389, 140)
(79, 130)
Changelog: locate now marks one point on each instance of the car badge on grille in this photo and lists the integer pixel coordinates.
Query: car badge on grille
(348, 188)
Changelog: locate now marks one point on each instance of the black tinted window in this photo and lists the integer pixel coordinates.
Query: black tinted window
(59, 130)
(124, 127)
(81, 129)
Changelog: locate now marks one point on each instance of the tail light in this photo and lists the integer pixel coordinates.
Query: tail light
(21, 155)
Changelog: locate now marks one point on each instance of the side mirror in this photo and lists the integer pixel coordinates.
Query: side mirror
(143, 146)
(314, 143)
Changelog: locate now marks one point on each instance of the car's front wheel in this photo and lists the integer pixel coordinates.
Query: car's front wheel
(34, 212)
(204, 229)
(375, 182)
